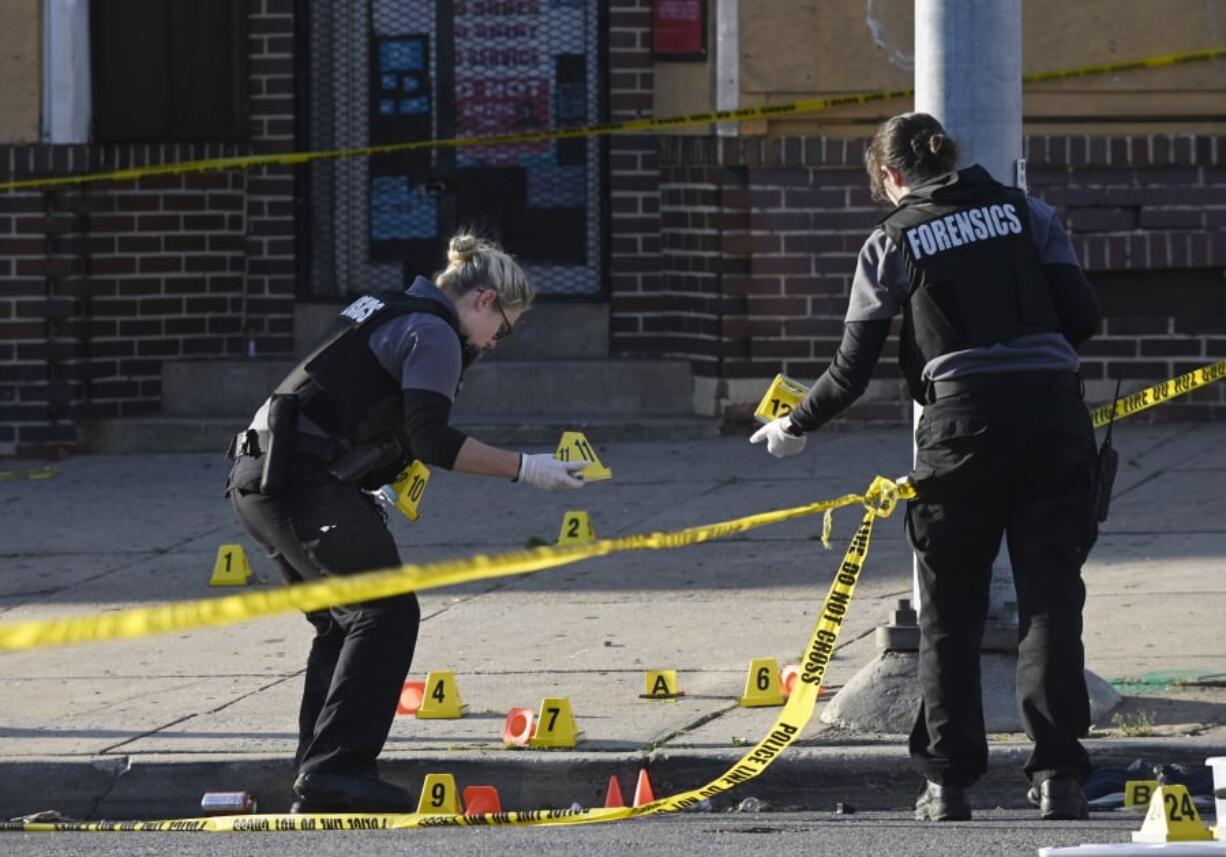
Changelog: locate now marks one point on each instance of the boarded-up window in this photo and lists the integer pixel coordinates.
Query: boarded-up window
(169, 69)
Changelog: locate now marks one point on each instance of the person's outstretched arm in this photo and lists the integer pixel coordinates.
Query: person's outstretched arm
(846, 379)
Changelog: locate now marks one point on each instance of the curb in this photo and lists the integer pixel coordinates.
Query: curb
(872, 777)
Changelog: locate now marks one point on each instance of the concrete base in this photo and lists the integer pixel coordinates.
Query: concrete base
(884, 695)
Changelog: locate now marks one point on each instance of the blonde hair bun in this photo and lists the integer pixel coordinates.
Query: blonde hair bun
(462, 248)
(474, 262)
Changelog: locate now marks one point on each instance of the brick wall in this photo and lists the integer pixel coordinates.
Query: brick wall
(634, 176)
(759, 238)
(102, 283)
(1147, 215)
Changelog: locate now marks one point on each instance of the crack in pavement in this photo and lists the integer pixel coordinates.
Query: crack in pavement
(143, 557)
(159, 729)
(703, 720)
(119, 772)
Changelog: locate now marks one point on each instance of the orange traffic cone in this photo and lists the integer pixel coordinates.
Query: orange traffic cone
(788, 676)
(613, 797)
(410, 697)
(520, 726)
(481, 800)
(642, 791)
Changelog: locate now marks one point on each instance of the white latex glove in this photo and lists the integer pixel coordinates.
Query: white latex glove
(542, 470)
(780, 442)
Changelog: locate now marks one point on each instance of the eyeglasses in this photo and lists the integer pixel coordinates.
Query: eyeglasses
(506, 328)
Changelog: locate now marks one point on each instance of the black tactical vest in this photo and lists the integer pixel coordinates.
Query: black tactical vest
(343, 388)
(973, 272)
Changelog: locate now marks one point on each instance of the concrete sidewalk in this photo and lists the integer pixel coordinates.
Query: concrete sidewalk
(141, 728)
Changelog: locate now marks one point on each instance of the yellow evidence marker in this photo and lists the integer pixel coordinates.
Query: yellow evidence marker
(575, 447)
(231, 567)
(781, 399)
(442, 698)
(34, 474)
(439, 796)
(762, 685)
(660, 684)
(555, 727)
(406, 492)
(1172, 817)
(576, 529)
(1137, 793)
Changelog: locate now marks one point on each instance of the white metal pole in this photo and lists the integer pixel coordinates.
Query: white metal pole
(968, 74)
(67, 103)
(727, 62)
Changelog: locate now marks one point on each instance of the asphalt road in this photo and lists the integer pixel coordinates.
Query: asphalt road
(880, 834)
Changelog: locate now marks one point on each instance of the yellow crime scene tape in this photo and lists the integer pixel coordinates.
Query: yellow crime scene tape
(1159, 393)
(879, 500)
(369, 586)
(31, 474)
(784, 395)
(770, 111)
(333, 591)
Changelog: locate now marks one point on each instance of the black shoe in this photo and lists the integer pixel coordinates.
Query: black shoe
(1059, 799)
(348, 793)
(942, 803)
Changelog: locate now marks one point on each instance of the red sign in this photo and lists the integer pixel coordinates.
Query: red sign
(502, 105)
(679, 29)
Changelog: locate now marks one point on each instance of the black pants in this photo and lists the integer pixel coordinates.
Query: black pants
(361, 652)
(1019, 462)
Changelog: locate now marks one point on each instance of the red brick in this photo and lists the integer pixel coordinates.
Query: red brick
(161, 306)
(1109, 347)
(750, 243)
(777, 306)
(21, 246)
(160, 264)
(110, 265)
(1101, 219)
(1134, 370)
(1171, 347)
(814, 197)
(194, 223)
(760, 348)
(1172, 218)
(21, 203)
(847, 220)
(1199, 325)
(782, 264)
(782, 221)
(814, 327)
(826, 294)
(140, 327)
(158, 347)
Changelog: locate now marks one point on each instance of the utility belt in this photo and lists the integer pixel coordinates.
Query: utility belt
(282, 443)
(254, 443)
(1006, 384)
(1001, 385)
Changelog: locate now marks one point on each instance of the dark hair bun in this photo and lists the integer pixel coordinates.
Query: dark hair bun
(916, 145)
